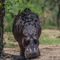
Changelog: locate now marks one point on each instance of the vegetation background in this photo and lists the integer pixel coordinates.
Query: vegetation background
(49, 14)
(47, 10)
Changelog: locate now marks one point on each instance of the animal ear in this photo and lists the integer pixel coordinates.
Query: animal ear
(24, 31)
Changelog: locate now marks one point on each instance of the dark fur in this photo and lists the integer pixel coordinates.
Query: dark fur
(22, 20)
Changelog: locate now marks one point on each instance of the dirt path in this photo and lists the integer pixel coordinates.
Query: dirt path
(48, 52)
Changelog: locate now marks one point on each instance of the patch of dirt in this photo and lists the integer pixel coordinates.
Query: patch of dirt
(51, 33)
(48, 30)
(48, 52)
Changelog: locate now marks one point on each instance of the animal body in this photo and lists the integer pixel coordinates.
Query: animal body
(27, 30)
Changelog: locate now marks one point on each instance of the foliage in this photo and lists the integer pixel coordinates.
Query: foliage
(38, 6)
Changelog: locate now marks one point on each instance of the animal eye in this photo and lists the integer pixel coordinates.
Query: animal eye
(35, 41)
(27, 39)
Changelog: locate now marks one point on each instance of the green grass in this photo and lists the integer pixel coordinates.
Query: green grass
(8, 45)
(49, 41)
(49, 38)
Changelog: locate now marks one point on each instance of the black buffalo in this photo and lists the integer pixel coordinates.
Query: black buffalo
(26, 30)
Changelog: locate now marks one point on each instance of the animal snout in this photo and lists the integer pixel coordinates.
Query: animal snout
(32, 52)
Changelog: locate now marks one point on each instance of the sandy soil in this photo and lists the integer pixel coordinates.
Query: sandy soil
(48, 52)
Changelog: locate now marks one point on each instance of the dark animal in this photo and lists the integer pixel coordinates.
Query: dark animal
(26, 30)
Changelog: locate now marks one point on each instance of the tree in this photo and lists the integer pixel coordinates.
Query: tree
(58, 17)
(52, 5)
(56, 3)
(2, 13)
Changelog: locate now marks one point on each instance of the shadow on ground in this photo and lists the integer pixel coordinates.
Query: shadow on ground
(12, 57)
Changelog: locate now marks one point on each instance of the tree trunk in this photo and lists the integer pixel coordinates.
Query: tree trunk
(2, 13)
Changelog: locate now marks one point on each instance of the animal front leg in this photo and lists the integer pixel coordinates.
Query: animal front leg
(22, 55)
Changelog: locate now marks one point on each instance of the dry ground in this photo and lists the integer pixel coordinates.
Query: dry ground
(48, 52)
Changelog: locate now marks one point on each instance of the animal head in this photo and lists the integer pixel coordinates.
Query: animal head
(30, 41)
